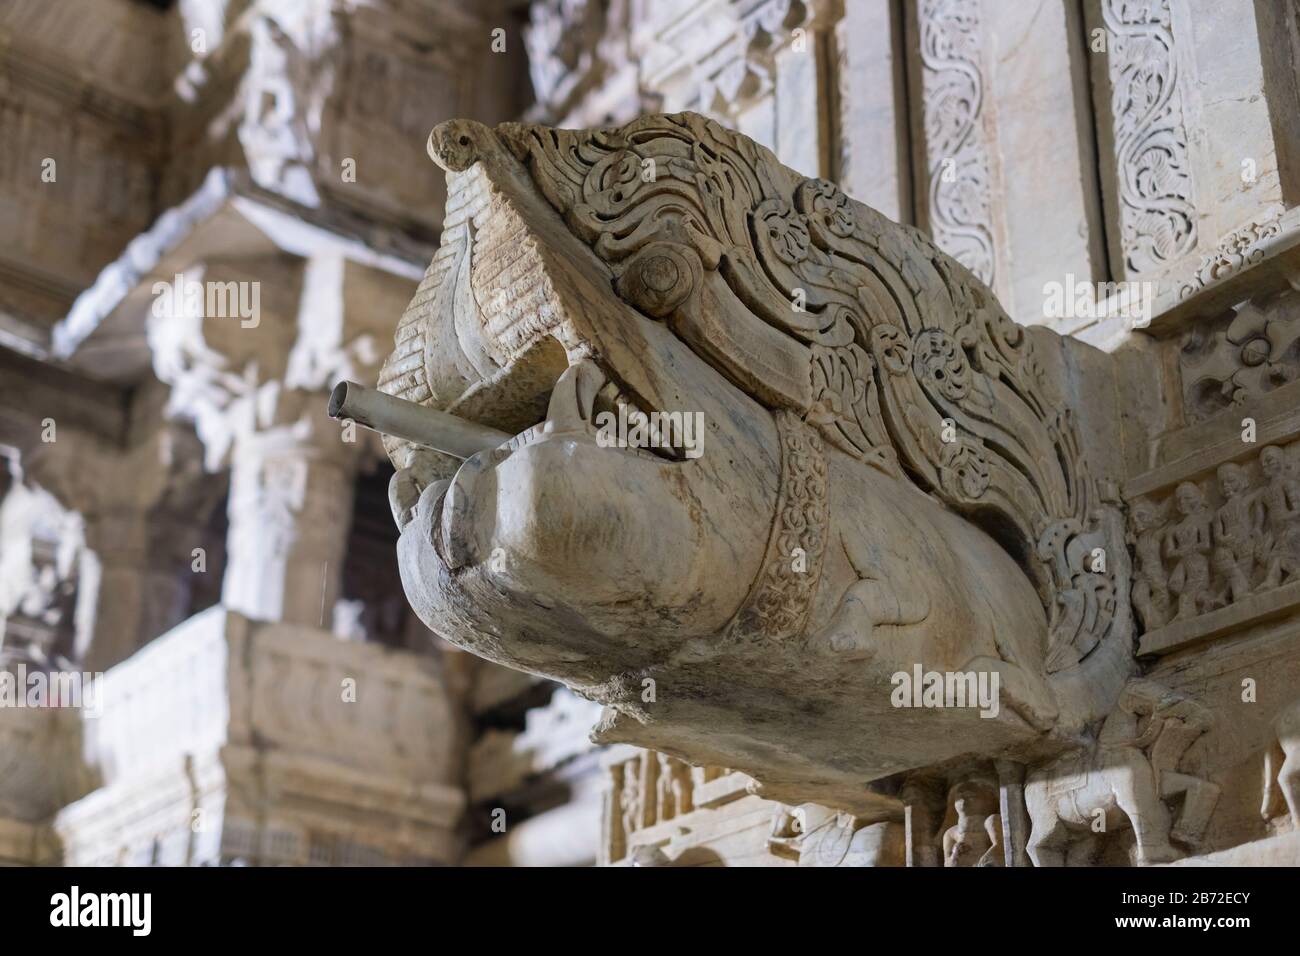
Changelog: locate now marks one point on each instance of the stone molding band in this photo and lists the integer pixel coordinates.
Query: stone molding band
(778, 606)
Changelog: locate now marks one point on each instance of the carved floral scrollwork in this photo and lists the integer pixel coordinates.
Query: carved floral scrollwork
(660, 277)
(783, 231)
(826, 209)
(965, 469)
(615, 179)
(936, 357)
(1240, 248)
(1086, 599)
(958, 166)
(891, 348)
(846, 405)
(1158, 220)
(901, 342)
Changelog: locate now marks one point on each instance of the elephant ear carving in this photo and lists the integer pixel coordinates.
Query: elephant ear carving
(814, 303)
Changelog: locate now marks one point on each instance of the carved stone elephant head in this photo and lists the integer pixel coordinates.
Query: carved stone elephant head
(771, 452)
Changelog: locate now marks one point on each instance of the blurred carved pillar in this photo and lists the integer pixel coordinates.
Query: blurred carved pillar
(290, 509)
(925, 797)
(143, 511)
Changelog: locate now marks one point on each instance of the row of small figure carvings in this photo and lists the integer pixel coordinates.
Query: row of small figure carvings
(1143, 780)
(1209, 544)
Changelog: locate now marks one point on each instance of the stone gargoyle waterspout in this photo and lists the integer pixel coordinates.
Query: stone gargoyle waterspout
(890, 477)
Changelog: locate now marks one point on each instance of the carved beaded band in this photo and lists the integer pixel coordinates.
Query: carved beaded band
(777, 608)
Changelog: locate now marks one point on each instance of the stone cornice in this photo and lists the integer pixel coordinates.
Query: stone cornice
(31, 391)
(1241, 268)
(241, 218)
(28, 69)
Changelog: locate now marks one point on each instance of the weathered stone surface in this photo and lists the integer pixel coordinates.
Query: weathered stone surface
(827, 350)
(726, 609)
(276, 744)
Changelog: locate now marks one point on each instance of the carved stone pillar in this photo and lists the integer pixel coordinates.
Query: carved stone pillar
(290, 509)
(952, 135)
(923, 797)
(256, 387)
(1011, 808)
(1196, 105)
(873, 166)
(143, 511)
(111, 606)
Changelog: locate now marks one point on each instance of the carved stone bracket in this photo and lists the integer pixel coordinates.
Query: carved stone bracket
(672, 266)
(896, 338)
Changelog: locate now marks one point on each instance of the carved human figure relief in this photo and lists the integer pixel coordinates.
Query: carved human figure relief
(1121, 783)
(1282, 768)
(1234, 538)
(646, 790)
(1233, 535)
(1187, 545)
(995, 855)
(1150, 579)
(1280, 506)
(631, 803)
(967, 842)
(673, 788)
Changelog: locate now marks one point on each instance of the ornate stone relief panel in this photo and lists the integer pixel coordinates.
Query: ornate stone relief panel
(1216, 551)
(1238, 250)
(959, 184)
(1150, 188)
(1248, 353)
